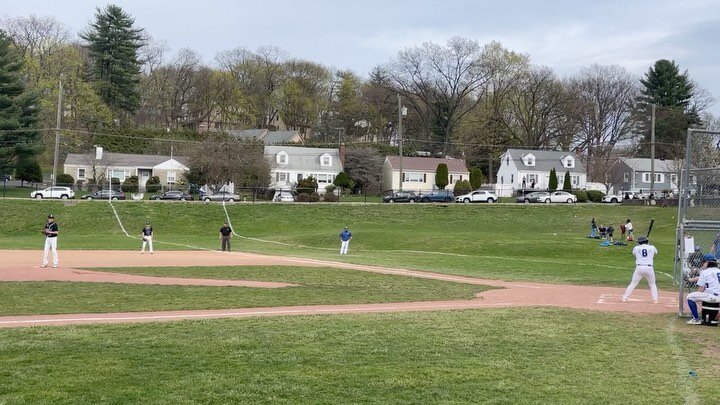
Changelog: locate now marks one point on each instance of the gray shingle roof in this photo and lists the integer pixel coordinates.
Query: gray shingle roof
(303, 159)
(268, 137)
(545, 160)
(124, 159)
(643, 165)
(248, 134)
(427, 164)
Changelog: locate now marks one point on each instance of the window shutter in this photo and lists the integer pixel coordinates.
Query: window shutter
(424, 177)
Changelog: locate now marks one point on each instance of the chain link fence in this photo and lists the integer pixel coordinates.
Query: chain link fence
(698, 229)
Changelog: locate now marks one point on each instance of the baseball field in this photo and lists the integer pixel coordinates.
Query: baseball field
(452, 304)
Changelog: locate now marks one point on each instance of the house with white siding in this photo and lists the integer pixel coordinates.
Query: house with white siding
(290, 164)
(419, 173)
(529, 168)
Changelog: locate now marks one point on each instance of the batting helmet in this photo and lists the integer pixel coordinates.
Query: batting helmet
(709, 257)
(642, 240)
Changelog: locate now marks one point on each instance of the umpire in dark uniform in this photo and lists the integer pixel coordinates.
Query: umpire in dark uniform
(225, 235)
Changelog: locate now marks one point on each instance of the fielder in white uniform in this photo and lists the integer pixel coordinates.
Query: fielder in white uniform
(709, 287)
(644, 254)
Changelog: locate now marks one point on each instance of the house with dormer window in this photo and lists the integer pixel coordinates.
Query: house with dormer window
(529, 168)
(290, 164)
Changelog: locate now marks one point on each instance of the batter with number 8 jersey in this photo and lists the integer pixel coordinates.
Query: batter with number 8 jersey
(644, 254)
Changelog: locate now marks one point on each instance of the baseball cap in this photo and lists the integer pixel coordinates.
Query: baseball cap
(709, 257)
(51, 216)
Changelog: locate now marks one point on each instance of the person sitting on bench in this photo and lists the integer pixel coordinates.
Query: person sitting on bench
(709, 287)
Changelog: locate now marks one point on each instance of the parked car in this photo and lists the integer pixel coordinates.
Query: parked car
(104, 195)
(173, 195)
(401, 197)
(220, 197)
(53, 192)
(477, 196)
(283, 196)
(560, 197)
(534, 197)
(613, 199)
(437, 196)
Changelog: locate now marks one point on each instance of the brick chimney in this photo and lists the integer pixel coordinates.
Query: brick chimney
(342, 153)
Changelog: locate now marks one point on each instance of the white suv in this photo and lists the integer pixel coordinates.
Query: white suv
(53, 192)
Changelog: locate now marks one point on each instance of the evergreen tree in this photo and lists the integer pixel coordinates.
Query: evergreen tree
(671, 92)
(18, 110)
(113, 44)
(441, 176)
(342, 180)
(28, 169)
(567, 184)
(476, 178)
(553, 181)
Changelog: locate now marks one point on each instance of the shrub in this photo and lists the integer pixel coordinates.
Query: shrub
(476, 178)
(441, 176)
(462, 187)
(131, 185)
(330, 197)
(567, 184)
(307, 197)
(153, 184)
(307, 185)
(28, 170)
(595, 195)
(581, 196)
(553, 181)
(342, 180)
(65, 179)
(330, 188)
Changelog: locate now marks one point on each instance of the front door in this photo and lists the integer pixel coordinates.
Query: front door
(143, 176)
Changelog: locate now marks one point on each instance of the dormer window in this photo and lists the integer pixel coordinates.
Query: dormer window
(569, 162)
(529, 160)
(326, 160)
(282, 158)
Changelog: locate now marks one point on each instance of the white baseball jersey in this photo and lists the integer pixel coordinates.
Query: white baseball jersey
(644, 254)
(710, 279)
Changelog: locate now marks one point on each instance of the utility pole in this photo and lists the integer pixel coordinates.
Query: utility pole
(57, 133)
(652, 152)
(400, 138)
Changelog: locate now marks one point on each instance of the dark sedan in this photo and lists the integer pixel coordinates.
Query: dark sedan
(105, 195)
(401, 197)
(438, 196)
(534, 197)
(173, 195)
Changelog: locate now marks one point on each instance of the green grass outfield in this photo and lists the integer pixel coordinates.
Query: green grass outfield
(521, 242)
(512, 355)
(315, 286)
(503, 356)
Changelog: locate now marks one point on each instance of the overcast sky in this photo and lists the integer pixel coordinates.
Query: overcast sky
(358, 35)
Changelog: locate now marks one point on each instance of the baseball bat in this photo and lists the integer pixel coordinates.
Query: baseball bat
(652, 222)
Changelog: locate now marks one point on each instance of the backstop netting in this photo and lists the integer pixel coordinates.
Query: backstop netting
(698, 229)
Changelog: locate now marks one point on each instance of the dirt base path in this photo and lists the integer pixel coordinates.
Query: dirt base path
(23, 266)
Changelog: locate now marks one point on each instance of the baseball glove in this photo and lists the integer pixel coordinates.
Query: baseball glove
(144, 239)
(42, 231)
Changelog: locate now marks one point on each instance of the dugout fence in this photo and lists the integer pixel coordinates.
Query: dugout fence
(698, 226)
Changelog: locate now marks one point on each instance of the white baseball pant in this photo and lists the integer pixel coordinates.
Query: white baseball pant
(640, 273)
(50, 244)
(147, 240)
(344, 246)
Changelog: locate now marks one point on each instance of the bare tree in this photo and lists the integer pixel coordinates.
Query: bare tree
(442, 83)
(260, 76)
(227, 160)
(36, 37)
(534, 107)
(603, 105)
